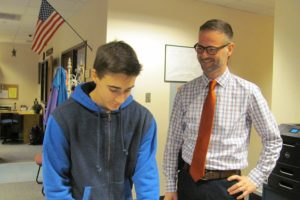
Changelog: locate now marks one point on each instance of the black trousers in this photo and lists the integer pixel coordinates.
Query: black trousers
(203, 190)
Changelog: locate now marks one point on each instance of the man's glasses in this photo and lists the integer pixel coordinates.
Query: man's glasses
(211, 50)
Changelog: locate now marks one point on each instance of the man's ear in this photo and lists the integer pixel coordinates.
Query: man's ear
(230, 49)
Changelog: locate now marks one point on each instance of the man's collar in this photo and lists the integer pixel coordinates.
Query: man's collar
(221, 80)
(224, 78)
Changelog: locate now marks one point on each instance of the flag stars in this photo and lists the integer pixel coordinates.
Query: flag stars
(45, 11)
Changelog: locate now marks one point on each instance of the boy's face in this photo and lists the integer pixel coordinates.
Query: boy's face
(112, 89)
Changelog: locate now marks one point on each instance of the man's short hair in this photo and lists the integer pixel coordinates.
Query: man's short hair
(218, 25)
(116, 57)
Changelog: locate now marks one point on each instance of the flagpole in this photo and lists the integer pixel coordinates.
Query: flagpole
(72, 28)
(78, 34)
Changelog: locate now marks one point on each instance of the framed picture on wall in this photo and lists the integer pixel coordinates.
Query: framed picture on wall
(181, 64)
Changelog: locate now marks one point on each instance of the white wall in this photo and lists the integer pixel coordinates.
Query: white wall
(21, 70)
(148, 26)
(286, 81)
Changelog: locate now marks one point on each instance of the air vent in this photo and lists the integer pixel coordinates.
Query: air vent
(10, 16)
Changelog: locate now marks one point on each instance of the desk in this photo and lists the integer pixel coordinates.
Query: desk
(30, 119)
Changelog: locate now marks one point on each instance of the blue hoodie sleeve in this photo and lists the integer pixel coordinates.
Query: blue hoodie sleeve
(56, 163)
(146, 178)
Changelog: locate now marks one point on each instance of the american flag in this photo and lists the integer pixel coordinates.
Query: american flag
(48, 23)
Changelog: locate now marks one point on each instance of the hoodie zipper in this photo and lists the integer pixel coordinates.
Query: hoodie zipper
(108, 151)
(109, 137)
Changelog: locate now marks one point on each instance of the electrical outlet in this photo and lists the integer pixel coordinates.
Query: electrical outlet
(148, 97)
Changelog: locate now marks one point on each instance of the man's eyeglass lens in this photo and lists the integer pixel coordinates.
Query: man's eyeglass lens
(211, 50)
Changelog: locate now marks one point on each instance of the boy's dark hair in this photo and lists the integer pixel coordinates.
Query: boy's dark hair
(218, 25)
(116, 57)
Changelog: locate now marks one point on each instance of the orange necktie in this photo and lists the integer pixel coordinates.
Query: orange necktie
(197, 169)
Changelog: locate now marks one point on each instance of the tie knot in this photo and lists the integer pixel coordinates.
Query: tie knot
(212, 84)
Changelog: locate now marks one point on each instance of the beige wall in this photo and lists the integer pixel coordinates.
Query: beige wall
(286, 81)
(21, 70)
(148, 27)
(91, 27)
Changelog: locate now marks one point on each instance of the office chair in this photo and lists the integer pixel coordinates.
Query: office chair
(11, 126)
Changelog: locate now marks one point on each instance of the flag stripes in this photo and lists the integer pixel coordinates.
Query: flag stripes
(48, 23)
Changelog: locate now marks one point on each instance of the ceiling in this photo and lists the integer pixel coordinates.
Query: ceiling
(263, 7)
(18, 17)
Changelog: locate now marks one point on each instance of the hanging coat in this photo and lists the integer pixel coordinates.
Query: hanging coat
(58, 93)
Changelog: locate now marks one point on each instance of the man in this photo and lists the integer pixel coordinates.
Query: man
(100, 140)
(237, 105)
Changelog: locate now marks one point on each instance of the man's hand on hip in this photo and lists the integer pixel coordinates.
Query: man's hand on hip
(244, 185)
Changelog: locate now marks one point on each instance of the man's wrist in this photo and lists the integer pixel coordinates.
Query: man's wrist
(171, 185)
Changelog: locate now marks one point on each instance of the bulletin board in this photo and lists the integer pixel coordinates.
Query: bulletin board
(181, 64)
(9, 91)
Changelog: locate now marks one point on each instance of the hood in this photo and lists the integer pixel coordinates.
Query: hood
(81, 95)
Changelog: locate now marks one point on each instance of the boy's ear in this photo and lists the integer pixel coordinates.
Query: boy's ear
(94, 75)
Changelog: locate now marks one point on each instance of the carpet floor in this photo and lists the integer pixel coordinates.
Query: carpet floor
(22, 190)
(18, 172)
(14, 152)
